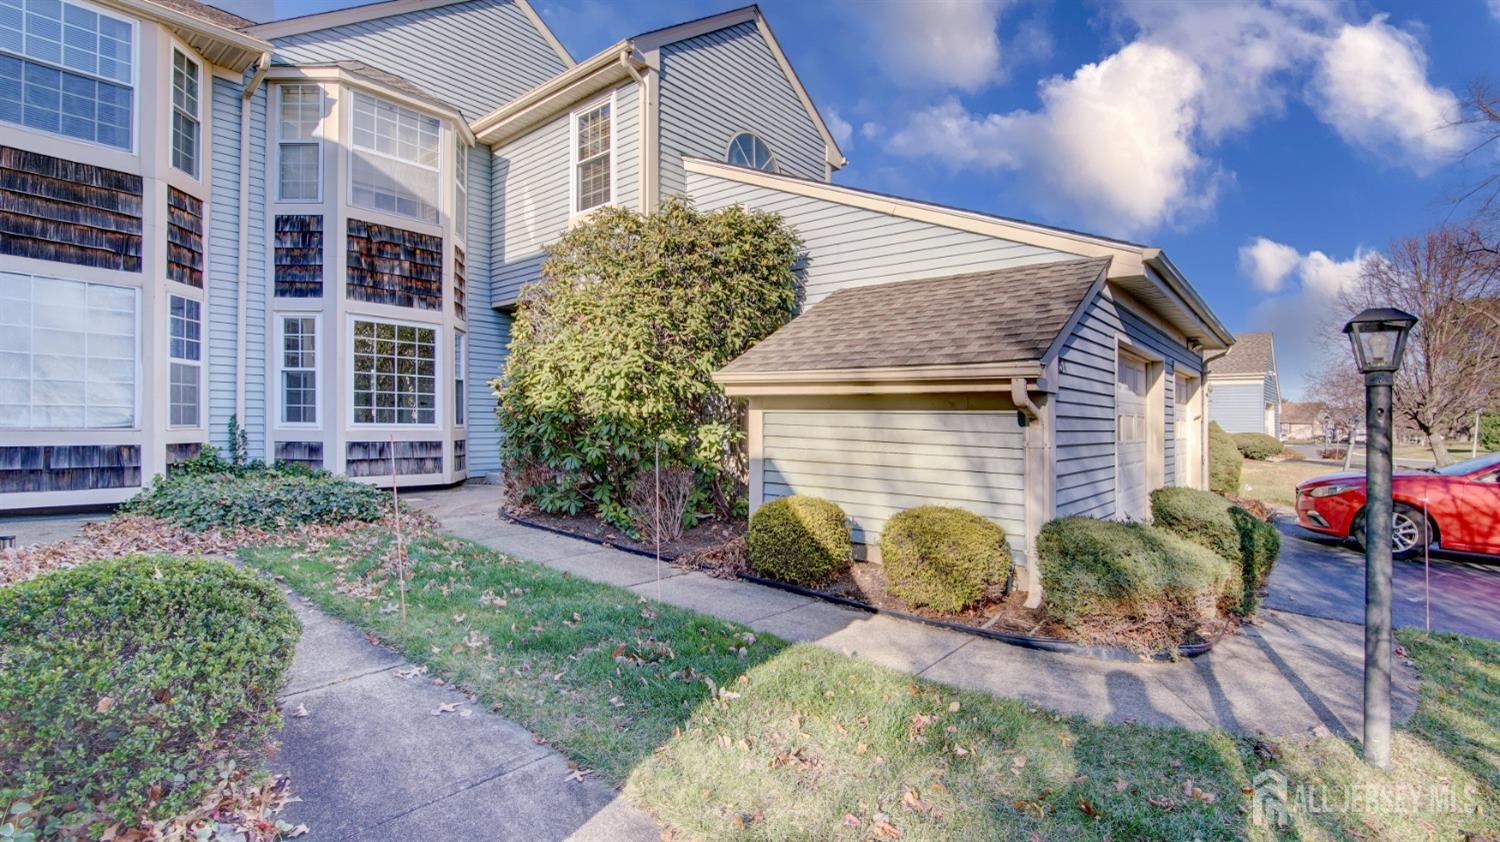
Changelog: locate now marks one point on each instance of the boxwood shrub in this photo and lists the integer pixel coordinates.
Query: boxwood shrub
(799, 539)
(943, 557)
(268, 498)
(123, 682)
(1258, 446)
(1224, 461)
(1108, 581)
(1232, 532)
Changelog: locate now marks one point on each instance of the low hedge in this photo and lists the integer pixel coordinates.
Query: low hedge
(1224, 461)
(267, 498)
(799, 539)
(943, 557)
(1258, 446)
(1129, 583)
(123, 683)
(1230, 531)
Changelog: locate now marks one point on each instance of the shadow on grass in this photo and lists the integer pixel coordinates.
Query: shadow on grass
(724, 733)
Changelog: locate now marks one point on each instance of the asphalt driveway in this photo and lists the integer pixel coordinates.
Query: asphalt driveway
(1323, 578)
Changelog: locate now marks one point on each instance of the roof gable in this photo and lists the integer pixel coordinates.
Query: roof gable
(1251, 354)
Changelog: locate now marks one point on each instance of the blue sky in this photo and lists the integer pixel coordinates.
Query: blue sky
(1264, 146)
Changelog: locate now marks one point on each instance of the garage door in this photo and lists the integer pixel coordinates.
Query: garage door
(1182, 426)
(877, 463)
(1131, 493)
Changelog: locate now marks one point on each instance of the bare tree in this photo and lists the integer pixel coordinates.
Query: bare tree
(1340, 388)
(1453, 355)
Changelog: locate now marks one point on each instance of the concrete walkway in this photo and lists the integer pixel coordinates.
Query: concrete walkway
(1287, 675)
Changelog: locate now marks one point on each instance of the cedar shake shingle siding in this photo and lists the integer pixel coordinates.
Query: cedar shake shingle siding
(309, 453)
(299, 256)
(69, 467)
(184, 238)
(373, 458)
(390, 265)
(459, 293)
(52, 209)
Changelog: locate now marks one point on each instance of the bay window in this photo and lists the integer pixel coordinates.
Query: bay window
(185, 371)
(299, 369)
(67, 354)
(593, 181)
(184, 113)
(67, 69)
(395, 373)
(460, 360)
(394, 159)
(299, 143)
(461, 192)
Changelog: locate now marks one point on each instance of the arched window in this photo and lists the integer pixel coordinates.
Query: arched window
(747, 150)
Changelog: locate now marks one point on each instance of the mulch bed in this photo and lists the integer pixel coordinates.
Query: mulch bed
(1002, 612)
(707, 535)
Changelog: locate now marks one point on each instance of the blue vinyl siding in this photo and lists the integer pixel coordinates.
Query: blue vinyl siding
(256, 376)
(1239, 407)
(1085, 400)
(222, 279)
(531, 193)
(627, 161)
(489, 330)
(476, 56)
(722, 83)
(847, 246)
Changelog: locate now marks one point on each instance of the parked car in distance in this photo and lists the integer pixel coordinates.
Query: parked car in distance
(1461, 504)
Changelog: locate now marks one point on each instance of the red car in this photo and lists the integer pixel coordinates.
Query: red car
(1461, 501)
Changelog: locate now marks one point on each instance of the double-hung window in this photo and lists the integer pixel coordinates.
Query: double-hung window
(67, 354)
(185, 371)
(395, 373)
(460, 361)
(299, 369)
(394, 159)
(593, 180)
(67, 69)
(184, 113)
(461, 192)
(299, 143)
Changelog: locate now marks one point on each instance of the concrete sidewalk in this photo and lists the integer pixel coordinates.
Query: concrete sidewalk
(377, 752)
(1288, 675)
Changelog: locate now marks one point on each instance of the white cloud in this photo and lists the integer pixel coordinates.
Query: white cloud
(1495, 9)
(1268, 263)
(1116, 138)
(950, 43)
(1371, 86)
(1305, 318)
(840, 129)
(870, 130)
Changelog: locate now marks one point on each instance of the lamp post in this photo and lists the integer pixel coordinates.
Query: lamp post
(1379, 338)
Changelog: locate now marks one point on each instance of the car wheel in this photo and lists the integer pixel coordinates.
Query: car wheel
(1408, 528)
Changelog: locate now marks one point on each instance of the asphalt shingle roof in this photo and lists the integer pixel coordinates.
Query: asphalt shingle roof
(1251, 353)
(1004, 315)
(205, 12)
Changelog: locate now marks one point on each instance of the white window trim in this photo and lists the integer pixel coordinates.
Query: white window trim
(279, 396)
(775, 163)
(197, 172)
(199, 363)
(460, 190)
(460, 373)
(347, 117)
(135, 92)
(317, 139)
(439, 417)
(614, 146)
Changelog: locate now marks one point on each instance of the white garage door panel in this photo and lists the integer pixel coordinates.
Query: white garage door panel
(875, 464)
(1130, 440)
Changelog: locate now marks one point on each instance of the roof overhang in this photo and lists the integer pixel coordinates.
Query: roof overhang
(220, 45)
(987, 377)
(558, 95)
(334, 73)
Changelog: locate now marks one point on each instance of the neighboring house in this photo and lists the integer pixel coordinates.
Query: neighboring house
(317, 226)
(1305, 421)
(1244, 393)
(950, 357)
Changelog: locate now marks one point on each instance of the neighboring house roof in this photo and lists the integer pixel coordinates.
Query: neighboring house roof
(1302, 412)
(1012, 315)
(1251, 354)
(1142, 271)
(623, 60)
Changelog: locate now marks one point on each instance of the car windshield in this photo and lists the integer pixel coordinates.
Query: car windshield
(1469, 466)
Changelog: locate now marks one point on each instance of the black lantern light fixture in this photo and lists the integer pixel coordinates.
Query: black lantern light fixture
(1379, 339)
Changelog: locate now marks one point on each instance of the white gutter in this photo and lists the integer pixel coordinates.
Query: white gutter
(1023, 400)
(647, 117)
(243, 290)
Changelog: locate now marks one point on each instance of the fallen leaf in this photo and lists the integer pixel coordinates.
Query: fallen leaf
(953, 708)
(913, 801)
(299, 830)
(299, 711)
(851, 820)
(1087, 808)
(446, 707)
(105, 703)
(1121, 785)
(886, 830)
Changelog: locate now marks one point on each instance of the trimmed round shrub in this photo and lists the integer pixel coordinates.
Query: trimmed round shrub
(123, 682)
(943, 557)
(266, 499)
(1107, 580)
(1230, 531)
(1257, 446)
(801, 540)
(1224, 461)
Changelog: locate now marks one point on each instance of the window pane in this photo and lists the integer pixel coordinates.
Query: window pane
(593, 183)
(393, 382)
(183, 394)
(61, 69)
(299, 379)
(386, 184)
(593, 132)
(301, 111)
(299, 172)
(184, 328)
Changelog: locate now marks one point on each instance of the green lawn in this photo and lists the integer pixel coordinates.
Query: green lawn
(1276, 482)
(727, 734)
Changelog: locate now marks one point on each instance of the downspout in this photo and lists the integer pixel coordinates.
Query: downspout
(1038, 488)
(262, 65)
(1022, 399)
(647, 192)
